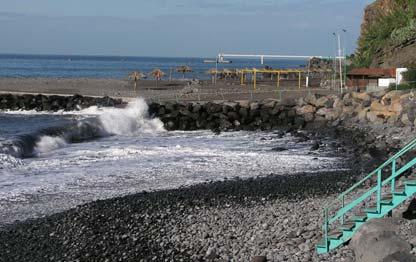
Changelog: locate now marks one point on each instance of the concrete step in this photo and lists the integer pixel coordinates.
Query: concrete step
(348, 226)
(400, 190)
(411, 181)
(321, 243)
(359, 217)
(335, 234)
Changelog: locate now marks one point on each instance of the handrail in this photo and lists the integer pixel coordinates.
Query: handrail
(393, 158)
(340, 213)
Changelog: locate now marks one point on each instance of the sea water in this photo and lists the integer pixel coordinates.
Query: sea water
(117, 67)
(50, 162)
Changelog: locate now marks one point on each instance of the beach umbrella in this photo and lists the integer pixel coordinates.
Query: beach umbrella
(184, 69)
(213, 72)
(135, 76)
(227, 73)
(157, 74)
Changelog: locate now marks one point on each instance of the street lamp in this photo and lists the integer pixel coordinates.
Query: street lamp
(338, 37)
(345, 57)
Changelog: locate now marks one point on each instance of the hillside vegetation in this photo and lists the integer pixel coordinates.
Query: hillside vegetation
(389, 28)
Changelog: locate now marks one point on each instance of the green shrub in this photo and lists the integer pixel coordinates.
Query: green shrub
(408, 86)
(402, 35)
(395, 28)
(410, 75)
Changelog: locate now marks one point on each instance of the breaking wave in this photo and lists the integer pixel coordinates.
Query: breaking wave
(99, 122)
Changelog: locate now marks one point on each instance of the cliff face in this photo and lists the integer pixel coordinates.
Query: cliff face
(374, 11)
(384, 21)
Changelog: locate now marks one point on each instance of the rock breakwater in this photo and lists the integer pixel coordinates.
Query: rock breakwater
(395, 108)
(54, 102)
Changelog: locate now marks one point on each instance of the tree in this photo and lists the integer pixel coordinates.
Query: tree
(157, 74)
(184, 69)
(135, 76)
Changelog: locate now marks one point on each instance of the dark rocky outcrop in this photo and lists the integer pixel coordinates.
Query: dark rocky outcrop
(53, 102)
(394, 108)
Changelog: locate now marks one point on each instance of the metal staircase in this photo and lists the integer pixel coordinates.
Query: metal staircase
(374, 196)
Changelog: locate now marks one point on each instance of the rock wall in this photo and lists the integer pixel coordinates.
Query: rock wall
(53, 103)
(395, 108)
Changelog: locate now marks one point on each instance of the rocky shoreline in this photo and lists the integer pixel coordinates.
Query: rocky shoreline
(54, 102)
(275, 217)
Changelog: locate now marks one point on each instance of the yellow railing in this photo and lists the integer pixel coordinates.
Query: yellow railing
(254, 72)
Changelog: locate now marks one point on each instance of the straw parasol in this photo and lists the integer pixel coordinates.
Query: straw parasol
(135, 76)
(213, 72)
(157, 74)
(184, 69)
(227, 73)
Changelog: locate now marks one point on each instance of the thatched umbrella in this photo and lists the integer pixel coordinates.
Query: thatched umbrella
(213, 72)
(184, 69)
(157, 74)
(227, 73)
(135, 76)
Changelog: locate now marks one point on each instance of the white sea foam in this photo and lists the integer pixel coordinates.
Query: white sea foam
(131, 120)
(49, 143)
(9, 161)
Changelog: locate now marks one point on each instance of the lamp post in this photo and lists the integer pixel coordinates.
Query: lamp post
(345, 57)
(338, 37)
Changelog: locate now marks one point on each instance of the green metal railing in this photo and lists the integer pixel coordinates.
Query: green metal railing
(376, 174)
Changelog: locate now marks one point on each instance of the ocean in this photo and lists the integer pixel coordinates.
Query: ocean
(117, 67)
(51, 162)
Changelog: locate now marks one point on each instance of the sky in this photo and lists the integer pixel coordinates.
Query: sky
(178, 28)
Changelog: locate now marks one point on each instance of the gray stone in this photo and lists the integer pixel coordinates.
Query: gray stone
(259, 259)
(376, 240)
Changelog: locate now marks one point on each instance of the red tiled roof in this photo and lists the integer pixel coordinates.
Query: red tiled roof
(374, 72)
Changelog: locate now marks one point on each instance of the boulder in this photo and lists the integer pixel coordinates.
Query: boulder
(275, 110)
(333, 114)
(323, 111)
(287, 101)
(376, 240)
(348, 110)
(309, 117)
(269, 105)
(410, 213)
(405, 120)
(392, 120)
(307, 109)
(196, 108)
(396, 106)
(378, 94)
(408, 96)
(311, 99)
(391, 96)
(377, 106)
(254, 106)
(338, 103)
(374, 118)
(244, 104)
(361, 96)
(400, 257)
(300, 102)
(347, 99)
(324, 102)
(213, 108)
